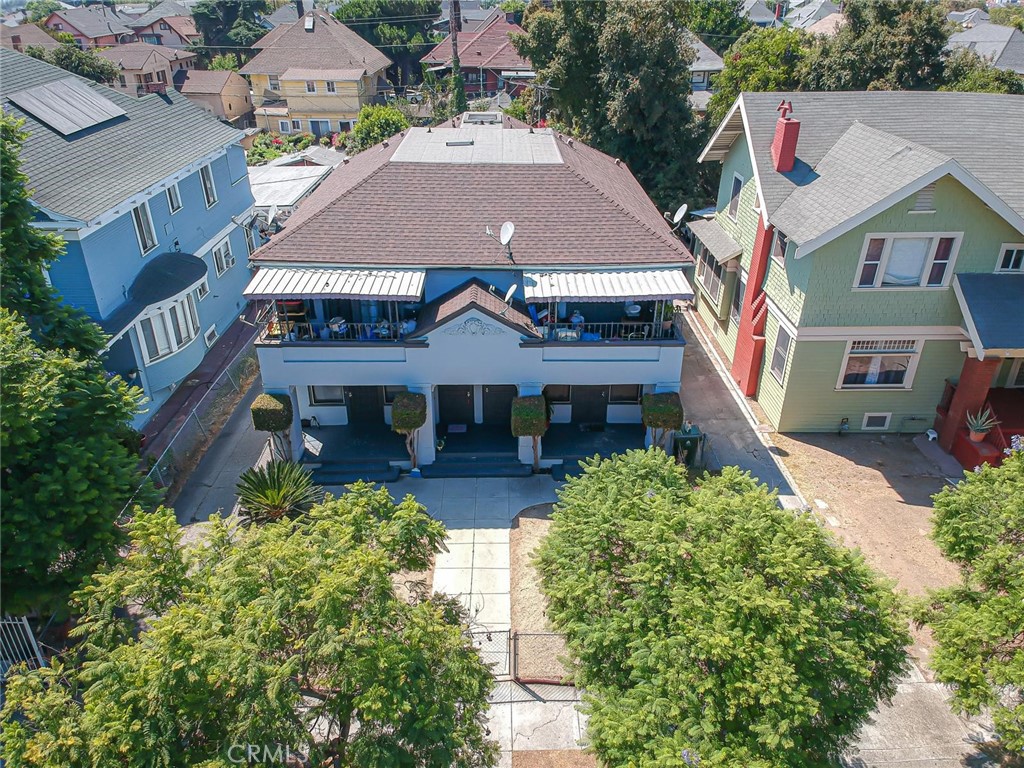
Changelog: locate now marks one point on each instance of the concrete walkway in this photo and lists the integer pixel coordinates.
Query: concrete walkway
(211, 486)
(734, 436)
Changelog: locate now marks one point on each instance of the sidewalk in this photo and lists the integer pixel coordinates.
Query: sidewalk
(211, 486)
(733, 433)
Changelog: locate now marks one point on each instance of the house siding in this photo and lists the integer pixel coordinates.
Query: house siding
(70, 276)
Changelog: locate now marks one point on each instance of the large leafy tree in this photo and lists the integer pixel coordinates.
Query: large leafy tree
(67, 466)
(83, 63)
(967, 71)
(1008, 15)
(374, 124)
(761, 60)
(717, 22)
(227, 25)
(289, 634)
(401, 28)
(709, 626)
(882, 45)
(37, 10)
(979, 623)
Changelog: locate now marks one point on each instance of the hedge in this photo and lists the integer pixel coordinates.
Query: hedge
(529, 416)
(662, 411)
(272, 413)
(408, 411)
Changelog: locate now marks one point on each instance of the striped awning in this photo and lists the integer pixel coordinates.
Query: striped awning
(301, 283)
(637, 285)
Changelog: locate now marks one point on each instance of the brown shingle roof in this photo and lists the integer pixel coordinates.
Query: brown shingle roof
(135, 55)
(25, 35)
(203, 81)
(490, 48)
(331, 45)
(586, 210)
(473, 294)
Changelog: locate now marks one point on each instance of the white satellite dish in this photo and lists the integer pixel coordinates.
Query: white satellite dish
(680, 212)
(510, 293)
(507, 230)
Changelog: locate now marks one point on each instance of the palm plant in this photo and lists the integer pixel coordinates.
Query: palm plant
(278, 489)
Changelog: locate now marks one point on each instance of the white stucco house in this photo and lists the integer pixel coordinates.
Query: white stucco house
(393, 275)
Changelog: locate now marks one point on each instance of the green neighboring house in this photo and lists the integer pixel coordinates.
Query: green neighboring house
(864, 268)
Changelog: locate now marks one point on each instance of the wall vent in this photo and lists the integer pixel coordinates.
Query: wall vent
(925, 201)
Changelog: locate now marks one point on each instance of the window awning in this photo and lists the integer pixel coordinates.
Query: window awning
(715, 239)
(647, 284)
(299, 283)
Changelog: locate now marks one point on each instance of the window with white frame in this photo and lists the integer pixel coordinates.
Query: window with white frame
(331, 394)
(734, 196)
(250, 240)
(908, 260)
(879, 364)
(223, 259)
(737, 299)
(203, 290)
(779, 246)
(163, 25)
(211, 336)
(1011, 258)
(310, 86)
(780, 354)
(169, 330)
(275, 83)
(697, 77)
(209, 188)
(331, 88)
(144, 228)
(709, 273)
(296, 125)
(174, 198)
(285, 126)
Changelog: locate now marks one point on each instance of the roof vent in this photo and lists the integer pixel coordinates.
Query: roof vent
(459, 143)
(310, 21)
(925, 201)
(618, 162)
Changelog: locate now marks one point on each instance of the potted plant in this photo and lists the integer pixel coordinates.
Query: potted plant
(980, 424)
(666, 313)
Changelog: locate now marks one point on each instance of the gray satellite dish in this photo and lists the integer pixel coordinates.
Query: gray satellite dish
(507, 230)
(680, 212)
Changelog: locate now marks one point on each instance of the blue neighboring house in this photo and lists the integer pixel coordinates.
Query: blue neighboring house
(152, 199)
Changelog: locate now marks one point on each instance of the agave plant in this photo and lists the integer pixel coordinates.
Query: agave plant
(278, 489)
(981, 422)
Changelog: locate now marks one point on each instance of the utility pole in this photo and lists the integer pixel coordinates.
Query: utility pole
(458, 100)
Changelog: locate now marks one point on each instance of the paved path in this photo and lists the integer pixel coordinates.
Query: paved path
(211, 486)
(714, 406)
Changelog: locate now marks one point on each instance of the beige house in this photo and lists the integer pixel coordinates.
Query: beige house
(146, 68)
(314, 75)
(169, 23)
(221, 93)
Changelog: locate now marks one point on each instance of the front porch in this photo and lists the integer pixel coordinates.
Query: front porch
(570, 442)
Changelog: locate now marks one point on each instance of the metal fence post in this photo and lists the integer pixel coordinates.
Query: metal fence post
(227, 373)
(199, 424)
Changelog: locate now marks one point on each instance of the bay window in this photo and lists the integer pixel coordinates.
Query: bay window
(709, 273)
(908, 260)
(170, 329)
(879, 364)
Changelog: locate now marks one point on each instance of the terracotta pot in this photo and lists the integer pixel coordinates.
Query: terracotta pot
(977, 437)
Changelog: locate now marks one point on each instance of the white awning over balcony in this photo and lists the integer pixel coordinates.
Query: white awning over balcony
(307, 283)
(639, 285)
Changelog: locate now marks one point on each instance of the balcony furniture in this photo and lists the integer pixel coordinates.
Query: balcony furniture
(567, 334)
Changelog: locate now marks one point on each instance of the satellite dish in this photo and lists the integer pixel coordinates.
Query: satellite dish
(510, 293)
(680, 212)
(507, 230)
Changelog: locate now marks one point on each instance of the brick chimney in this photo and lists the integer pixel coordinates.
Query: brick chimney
(299, 8)
(787, 131)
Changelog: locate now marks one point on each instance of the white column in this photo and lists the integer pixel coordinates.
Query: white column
(426, 438)
(296, 430)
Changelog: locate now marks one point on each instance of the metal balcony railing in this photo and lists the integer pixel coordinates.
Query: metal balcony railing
(290, 331)
(622, 331)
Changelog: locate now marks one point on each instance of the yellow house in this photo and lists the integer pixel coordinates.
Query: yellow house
(314, 75)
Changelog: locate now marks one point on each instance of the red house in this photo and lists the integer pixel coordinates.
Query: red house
(488, 62)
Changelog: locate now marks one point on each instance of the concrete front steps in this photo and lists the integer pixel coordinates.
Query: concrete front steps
(464, 465)
(344, 472)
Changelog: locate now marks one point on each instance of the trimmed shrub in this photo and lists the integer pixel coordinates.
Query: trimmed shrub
(272, 413)
(408, 414)
(662, 413)
(530, 419)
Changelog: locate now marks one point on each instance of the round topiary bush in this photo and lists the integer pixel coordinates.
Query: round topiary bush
(273, 414)
(408, 414)
(662, 413)
(530, 419)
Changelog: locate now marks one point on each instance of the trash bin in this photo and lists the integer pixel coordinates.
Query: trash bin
(688, 446)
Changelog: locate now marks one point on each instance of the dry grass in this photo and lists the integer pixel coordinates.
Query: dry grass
(553, 758)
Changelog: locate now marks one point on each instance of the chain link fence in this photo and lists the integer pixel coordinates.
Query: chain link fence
(170, 470)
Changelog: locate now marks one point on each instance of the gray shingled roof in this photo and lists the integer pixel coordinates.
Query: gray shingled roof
(1004, 46)
(331, 45)
(164, 276)
(135, 55)
(715, 239)
(707, 60)
(981, 131)
(93, 170)
(991, 306)
(96, 21)
(161, 11)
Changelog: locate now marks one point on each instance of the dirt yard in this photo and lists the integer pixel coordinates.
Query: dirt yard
(876, 491)
(413, 584)
(553, 758)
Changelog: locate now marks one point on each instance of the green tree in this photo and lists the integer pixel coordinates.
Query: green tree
(226, 24)
(402, 28)
(719, 23)
(761, 60)
(709, 626)
(224, 62)
(37, 10)
(83, 63)
(264, 636)
(374, 124)
(979, 623)
(882, 45)
(1008, 16)
(967, 71)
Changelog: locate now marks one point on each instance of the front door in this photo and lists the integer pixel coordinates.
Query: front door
(365, 405)
(455, 403)
(589, 404)
(498, 403)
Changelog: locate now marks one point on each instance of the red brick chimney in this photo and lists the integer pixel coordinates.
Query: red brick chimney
(787, 131)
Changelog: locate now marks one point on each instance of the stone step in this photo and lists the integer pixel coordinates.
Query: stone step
(472, 468)
(343, 474)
